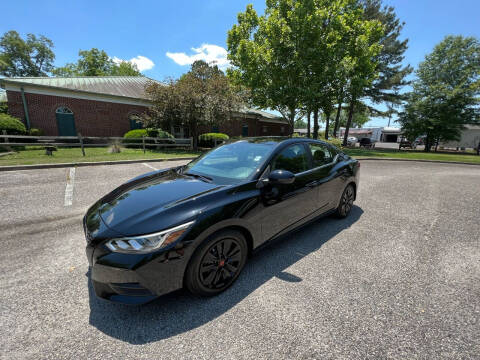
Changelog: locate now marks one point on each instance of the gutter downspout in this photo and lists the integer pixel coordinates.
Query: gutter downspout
(25, 108)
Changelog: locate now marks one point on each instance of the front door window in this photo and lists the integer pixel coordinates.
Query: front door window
(293, 158)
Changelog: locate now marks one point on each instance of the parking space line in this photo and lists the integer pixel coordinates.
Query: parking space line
(69, 187)
(150, 166)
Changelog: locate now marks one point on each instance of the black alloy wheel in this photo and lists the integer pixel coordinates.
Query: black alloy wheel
(216, 263)
(346, 202)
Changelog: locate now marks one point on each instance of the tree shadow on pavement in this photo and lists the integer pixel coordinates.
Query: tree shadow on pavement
(180, 312)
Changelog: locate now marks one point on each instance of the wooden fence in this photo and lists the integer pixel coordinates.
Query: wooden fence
(93, 141)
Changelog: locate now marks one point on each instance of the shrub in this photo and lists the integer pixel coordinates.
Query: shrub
(3, 107)
(158, 133)
(335, 142)
(208, 139)
(152, 132)
(138, 133)
(12, 125)
(35, 132)
(135, 136)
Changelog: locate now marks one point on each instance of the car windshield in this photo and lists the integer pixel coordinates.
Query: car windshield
(231, 163)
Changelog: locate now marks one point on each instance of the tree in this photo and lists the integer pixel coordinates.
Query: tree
(446, 92)
(264, 55)
(322, 53)
(30, 57)
(300, 124)
(203, 96)
(3, 104)
(297, 56)
(95, 62)
(360, 117)
(126, 68)
(391, 73)
(361, 63)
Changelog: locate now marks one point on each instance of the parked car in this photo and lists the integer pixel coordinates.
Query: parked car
(420, 140)
(367, 143)
(407, 144)
(351, 140)
(195, 225)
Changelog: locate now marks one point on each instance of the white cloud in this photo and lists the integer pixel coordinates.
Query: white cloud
(143, 63)
(207, 52)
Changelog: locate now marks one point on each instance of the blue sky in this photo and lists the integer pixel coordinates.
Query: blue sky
(164, 36)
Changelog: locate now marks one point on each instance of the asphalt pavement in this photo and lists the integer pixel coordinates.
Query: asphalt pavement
(399, 278)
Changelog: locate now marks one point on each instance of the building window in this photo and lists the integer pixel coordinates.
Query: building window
(63, 110)
(282, 130)
(135, 122)
(264, 129)
(215, 129)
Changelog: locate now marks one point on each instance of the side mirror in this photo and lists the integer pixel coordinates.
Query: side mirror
(281, 177)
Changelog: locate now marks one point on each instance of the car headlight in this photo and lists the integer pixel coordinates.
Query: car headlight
(149, 242)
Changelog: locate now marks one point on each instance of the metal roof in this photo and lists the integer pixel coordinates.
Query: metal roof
(360, 131)
(125, 86)
(265, 116)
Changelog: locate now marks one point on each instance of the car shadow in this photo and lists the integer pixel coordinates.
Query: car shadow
(179, 312)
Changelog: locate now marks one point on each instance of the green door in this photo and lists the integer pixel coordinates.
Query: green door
(245, 130)
(65, 124)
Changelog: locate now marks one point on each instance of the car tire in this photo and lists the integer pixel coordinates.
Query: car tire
(346, 202)
(216, 263)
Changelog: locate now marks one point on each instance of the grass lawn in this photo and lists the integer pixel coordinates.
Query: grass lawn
(36, 155)
(412, 155)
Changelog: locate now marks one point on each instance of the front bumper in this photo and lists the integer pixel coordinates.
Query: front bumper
(135, 278)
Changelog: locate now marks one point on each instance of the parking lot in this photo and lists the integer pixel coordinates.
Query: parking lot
(399, 278)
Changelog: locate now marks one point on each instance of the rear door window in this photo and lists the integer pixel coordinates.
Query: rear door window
(321, 154)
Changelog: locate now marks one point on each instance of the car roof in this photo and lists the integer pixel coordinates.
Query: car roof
(278, 140)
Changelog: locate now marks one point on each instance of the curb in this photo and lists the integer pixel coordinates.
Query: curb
(78, 164)
(417, 160)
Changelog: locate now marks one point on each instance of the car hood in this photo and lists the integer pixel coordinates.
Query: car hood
(154, 202)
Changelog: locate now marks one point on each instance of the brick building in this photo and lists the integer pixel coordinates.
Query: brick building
(107, 106)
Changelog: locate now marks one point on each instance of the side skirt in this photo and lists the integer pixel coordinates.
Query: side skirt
(292, 229)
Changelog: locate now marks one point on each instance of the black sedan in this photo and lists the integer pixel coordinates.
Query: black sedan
(194, 226)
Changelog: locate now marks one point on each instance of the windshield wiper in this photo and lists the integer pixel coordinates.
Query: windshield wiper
(201, 177)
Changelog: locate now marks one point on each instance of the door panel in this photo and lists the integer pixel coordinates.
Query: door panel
(322, 162)
(332, 174)
(284, 205)
(66, 124)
